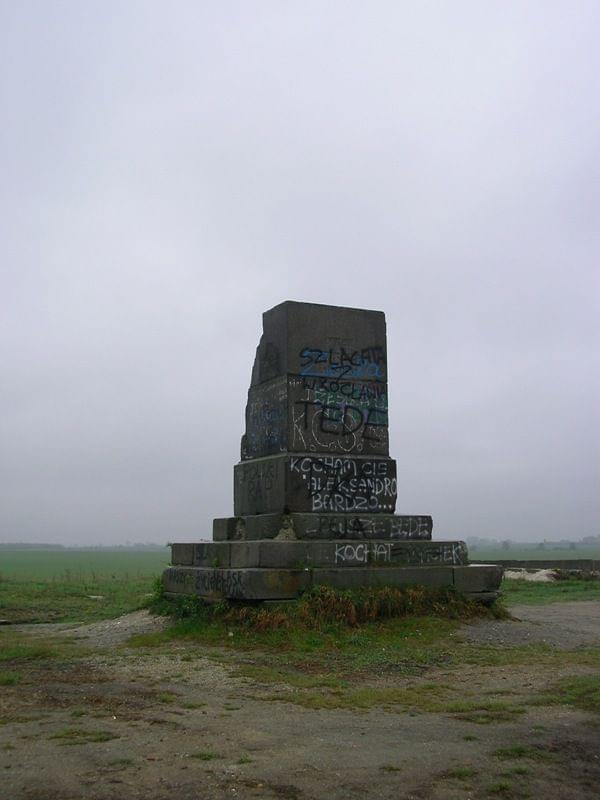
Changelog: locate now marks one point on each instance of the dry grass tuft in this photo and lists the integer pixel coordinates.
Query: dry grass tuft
(323, 606)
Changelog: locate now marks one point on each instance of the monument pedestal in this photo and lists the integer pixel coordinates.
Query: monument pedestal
(315, 490)
(267, 569)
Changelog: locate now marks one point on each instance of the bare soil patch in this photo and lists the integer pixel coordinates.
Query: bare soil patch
(180, 722)
(565, 625)
(106, 633)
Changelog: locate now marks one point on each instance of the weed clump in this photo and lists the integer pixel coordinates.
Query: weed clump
(582, 691)
(9, 678)
(322, 607)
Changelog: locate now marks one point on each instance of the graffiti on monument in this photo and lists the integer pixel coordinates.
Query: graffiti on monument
(266, 421)
(453, 553)
(338, 526)
(363, 552)
(337, 415)
(258, 479)
(365, 364)
(309, 414)
(224, 582)
(335, 483)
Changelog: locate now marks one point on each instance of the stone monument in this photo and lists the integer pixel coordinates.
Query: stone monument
(315, 489)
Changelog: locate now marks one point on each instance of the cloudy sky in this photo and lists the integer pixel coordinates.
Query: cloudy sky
(171, 170)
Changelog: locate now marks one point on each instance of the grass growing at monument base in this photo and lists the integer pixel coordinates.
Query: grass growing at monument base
(338, 650)
(322, 608)
(326, 631)
(328, 639)
(344, 650)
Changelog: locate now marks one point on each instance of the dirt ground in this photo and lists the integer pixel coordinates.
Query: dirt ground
(178, 723)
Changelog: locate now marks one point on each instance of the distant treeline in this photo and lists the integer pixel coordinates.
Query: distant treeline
(506, 544)
(44, 546)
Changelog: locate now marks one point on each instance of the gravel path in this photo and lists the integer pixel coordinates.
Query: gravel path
(106, 633)
(181, 721)
(565, 625)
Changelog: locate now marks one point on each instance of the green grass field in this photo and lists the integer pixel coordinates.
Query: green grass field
(74, 585)
(481, 553)
(531, 593)
(79, 564)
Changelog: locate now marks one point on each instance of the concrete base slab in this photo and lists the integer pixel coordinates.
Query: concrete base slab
(265, 583)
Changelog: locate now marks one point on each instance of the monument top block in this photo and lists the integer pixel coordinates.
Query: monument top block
(319, 384)
(310, 339)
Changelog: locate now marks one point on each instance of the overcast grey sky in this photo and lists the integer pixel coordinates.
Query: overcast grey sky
(171, 170)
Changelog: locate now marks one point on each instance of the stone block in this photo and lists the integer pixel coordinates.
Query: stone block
(311, 414)
(329, 415)
(224, 528)
(179, 580)
(236, 584)
(267, 526)
(321, 483)
(310, 339)
(340, 578)
(259, 486)
(478, 578)
(182, 554)
(212, 554)
(266, 420)
(365, 553)
(392, 553)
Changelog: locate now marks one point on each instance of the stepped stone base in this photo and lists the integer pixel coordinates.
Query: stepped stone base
(323, 526)
(282, 567)
(263, 583)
